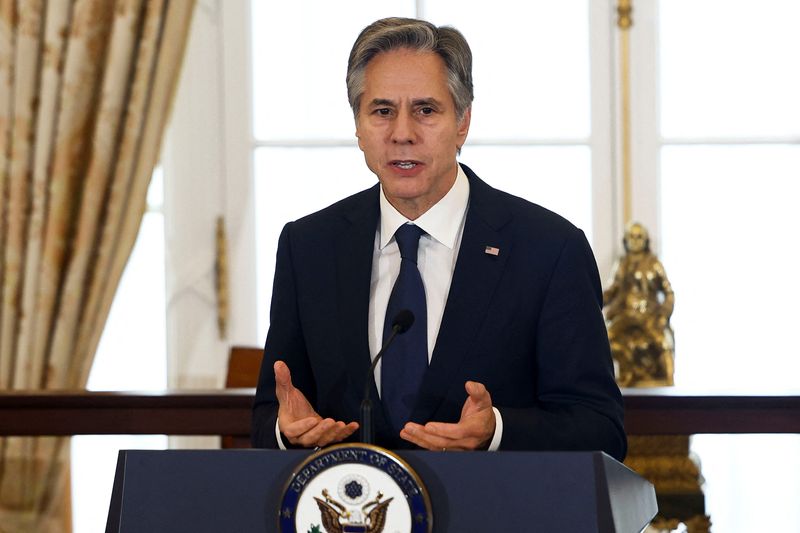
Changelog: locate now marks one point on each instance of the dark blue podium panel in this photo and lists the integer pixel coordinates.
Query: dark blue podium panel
(240, 491)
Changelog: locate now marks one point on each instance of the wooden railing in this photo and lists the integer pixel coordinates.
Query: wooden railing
(227, 412)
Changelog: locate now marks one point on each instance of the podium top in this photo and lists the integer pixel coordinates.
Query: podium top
(240, 490)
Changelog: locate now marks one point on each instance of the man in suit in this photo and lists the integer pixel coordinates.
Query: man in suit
(509, 348)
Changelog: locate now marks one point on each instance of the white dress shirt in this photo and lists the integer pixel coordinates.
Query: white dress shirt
(436, 260)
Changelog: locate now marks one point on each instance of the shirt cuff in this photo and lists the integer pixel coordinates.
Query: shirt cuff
(281, 445)
(498, 431)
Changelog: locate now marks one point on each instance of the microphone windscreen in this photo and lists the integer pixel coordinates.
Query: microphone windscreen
(402, 321)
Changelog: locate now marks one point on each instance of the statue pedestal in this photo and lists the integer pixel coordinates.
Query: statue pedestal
(664, 461)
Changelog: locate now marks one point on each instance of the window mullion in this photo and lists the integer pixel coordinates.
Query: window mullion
(645, 138)
(605, 190)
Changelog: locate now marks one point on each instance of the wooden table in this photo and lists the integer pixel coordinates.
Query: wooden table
(227, 412)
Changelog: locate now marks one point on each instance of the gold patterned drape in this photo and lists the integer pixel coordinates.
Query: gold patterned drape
(85, 88)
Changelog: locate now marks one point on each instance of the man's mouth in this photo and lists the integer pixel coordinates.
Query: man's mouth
(405, 165)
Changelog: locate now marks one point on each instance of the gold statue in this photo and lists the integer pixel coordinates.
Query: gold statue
(638, 306)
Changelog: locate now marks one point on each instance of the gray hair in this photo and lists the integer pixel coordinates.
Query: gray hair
(394, 33)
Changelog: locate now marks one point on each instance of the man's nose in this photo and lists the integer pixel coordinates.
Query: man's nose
(404, 131)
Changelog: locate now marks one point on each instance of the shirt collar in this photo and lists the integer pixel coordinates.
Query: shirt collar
(441, 222)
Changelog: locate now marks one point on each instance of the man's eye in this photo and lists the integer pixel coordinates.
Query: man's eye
(384, 111)
(427, 111)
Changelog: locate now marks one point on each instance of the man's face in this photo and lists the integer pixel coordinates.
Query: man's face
(408, 129)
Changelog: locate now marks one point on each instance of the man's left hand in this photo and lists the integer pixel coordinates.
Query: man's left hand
(474, 431)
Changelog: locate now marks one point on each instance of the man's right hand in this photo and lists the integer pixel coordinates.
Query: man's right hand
(297, 419)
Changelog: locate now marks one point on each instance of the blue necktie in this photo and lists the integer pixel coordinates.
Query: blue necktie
(405, 362)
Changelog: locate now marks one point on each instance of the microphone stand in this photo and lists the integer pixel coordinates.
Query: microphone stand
(367, 432)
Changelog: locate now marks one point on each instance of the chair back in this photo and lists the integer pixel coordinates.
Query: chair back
(244, 365)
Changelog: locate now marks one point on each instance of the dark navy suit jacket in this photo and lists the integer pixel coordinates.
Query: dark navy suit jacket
(526, 323)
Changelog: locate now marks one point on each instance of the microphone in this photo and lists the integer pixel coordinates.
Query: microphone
(401, 323)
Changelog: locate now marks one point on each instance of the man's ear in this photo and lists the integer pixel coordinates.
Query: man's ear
(463, 126)
(358, 136)
(463, 129)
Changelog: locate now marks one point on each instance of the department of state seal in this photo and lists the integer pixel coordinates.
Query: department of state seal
(355, 489)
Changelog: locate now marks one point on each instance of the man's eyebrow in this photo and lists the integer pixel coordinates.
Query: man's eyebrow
(381, 102)
(378, 102)
(426, 101)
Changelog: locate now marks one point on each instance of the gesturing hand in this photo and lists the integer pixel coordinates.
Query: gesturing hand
(297, 419)
(474, 430)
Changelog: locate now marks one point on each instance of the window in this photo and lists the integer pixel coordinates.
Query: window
(729, 166)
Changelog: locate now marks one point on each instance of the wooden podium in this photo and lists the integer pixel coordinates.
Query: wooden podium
(239, 491)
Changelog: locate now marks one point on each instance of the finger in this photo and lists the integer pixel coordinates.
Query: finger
(283, 380)
(295, 429)
(314, 431)
(315, 435)
(416, 434)
(478, 392)
(329, 435)
(346, 431)
(337, 433)
(447, 431)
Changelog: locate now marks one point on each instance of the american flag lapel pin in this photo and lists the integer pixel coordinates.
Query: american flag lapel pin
(491, 250)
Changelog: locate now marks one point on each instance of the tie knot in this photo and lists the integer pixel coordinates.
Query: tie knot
(407, 237)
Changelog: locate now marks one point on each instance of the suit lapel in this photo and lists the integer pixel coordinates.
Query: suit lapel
(474, 282)
(354, 253)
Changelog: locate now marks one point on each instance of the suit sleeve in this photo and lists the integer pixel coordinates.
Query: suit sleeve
(578, 403)
(284, 342)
